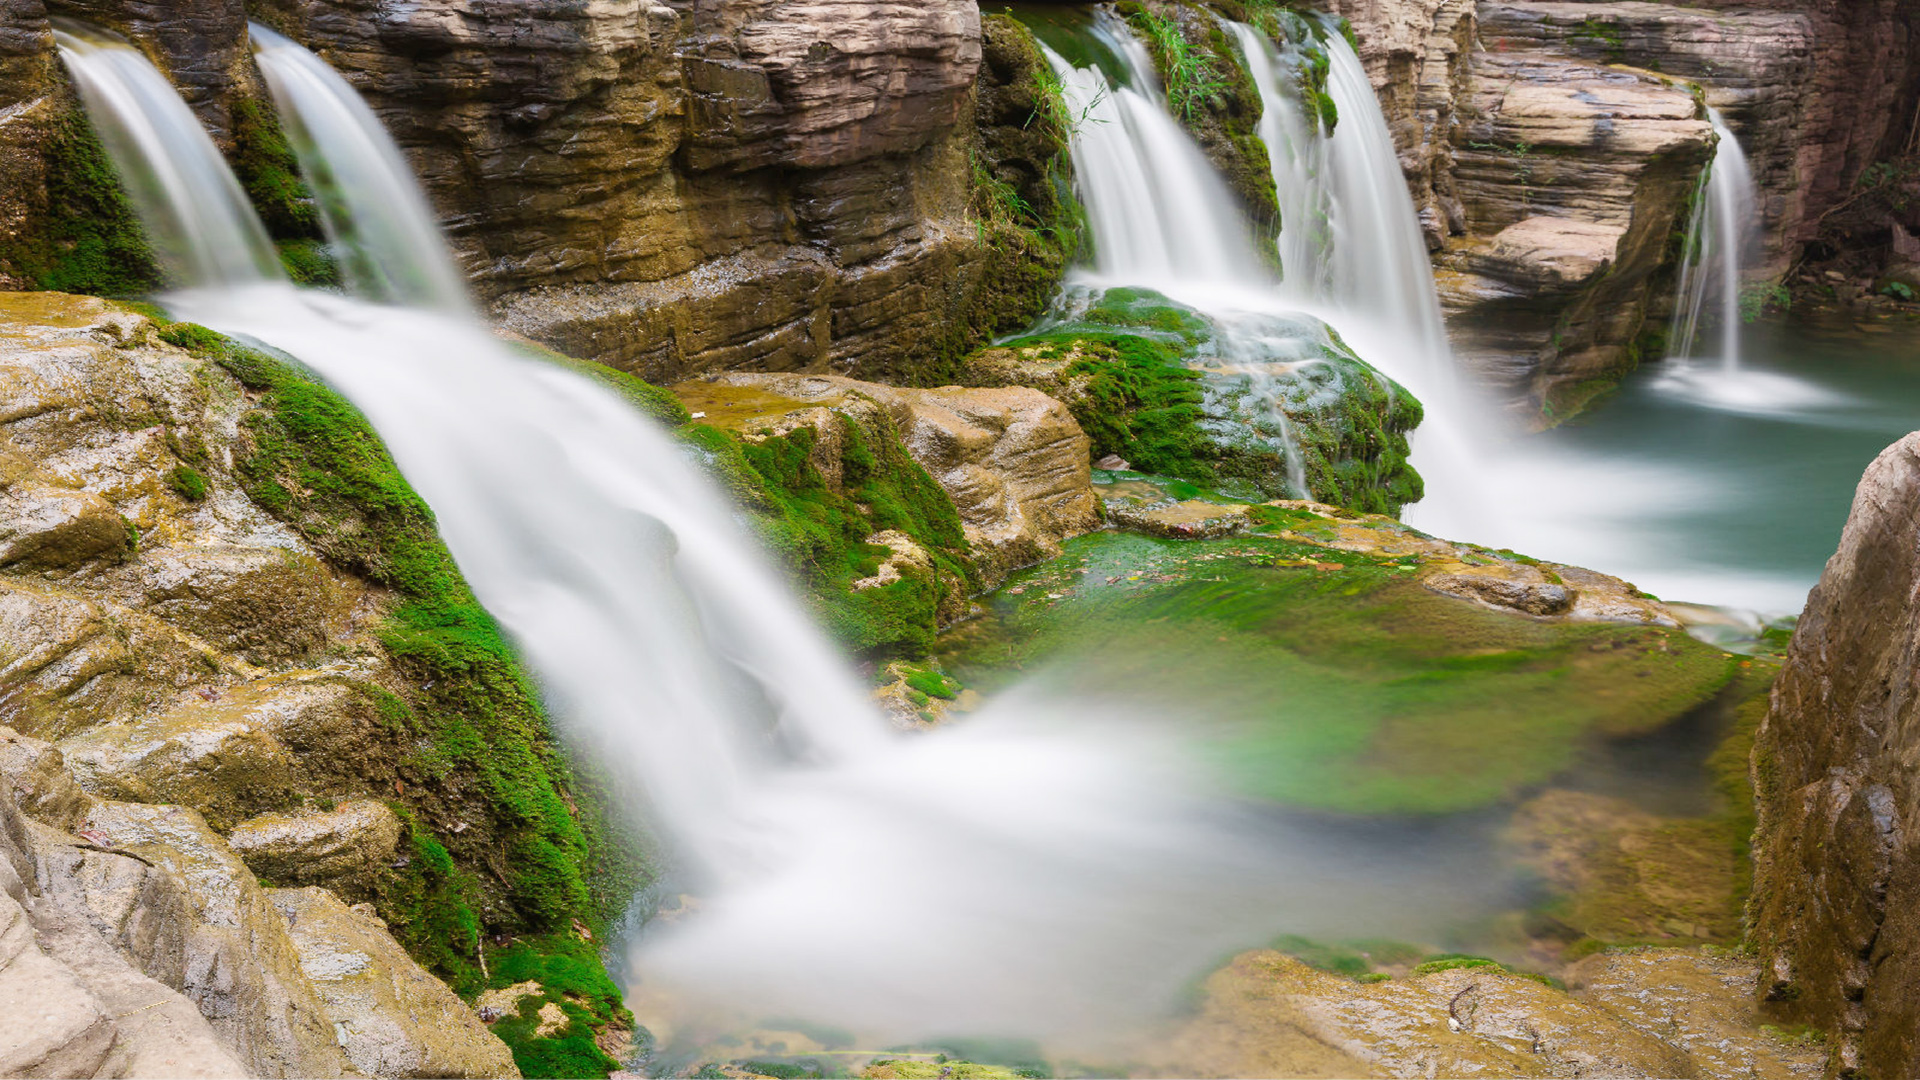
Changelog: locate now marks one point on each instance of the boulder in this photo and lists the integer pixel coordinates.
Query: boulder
(230, 752)
(392, 1018)
(239, 962)
(344, 848)
(1836, 904)
(1013, 460)
(266, 603)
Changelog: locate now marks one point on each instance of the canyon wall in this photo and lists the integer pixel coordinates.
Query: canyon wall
(664, 187)
(1550, 150)
(1835, 915)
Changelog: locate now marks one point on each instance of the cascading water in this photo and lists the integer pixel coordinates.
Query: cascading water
(1350, 240)
(198, 219)
(1160, 214)
(384, 234)
(1720, 238)
(1040, 871)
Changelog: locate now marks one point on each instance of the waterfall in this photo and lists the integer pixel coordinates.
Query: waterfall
(1044, 870)
(1351, 251)
(198, 219)
(1720, 237)
(1349, 239)
(389, 247)
(1159, 213)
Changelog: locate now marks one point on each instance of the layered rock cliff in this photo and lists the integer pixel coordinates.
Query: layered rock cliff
(1836, 910)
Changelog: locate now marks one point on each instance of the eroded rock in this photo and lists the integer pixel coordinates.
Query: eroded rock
(392, 1018)
(349, 844)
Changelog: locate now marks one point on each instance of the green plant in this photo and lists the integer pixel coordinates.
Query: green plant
(1898, 289)
(1757, 298)
(1192, 75)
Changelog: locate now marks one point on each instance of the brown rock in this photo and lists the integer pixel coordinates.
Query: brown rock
(344, 847)
(1836, 907)
(1013, 460)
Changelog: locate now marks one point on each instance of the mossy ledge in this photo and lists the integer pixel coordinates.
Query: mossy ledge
(515, 865)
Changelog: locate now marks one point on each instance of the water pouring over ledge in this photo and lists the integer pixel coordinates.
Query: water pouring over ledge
(1044, 871)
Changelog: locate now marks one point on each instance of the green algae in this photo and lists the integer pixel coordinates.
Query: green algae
(90, 240)
(491, 790)
(1331, 680)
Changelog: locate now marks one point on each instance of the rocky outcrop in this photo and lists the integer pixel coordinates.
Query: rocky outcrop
(1013, 460)
(1553, 312)
(1658, 1013)
(220, 692)
(1836, 908)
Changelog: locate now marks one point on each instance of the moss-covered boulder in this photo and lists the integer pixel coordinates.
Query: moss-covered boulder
(1311, 655)
(1260, 406)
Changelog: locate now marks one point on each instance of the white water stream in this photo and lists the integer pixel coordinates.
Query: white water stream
(1720, 239)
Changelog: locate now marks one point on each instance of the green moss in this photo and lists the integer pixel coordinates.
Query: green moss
(90, 240)
(822, 534)
(1331, 680)
(492, 782)
(933, 684)
(188, 482)
(1454, 962)
(570, 976)
(269, 172)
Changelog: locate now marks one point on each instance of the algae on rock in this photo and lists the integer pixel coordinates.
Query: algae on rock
(1267, 406)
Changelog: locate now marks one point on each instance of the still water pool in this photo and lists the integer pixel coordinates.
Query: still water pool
(1716, 486)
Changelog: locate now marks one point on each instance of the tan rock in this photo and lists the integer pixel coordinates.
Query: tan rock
(1552, 252)
(392, 1018)
(267, 603)
(49, 527)
(350, 844)
(1013, 460)
(230, 753)
(241, 967)
(41, 784)
(1701, 1002)
(1194, 519)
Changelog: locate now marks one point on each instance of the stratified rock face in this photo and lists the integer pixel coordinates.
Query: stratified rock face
(676, 188)
(1564, 120)
(1836, 908)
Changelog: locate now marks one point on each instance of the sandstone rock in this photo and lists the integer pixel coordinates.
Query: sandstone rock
(351, 844)
(241, 966)
(268, 603)
(1499, 589)
(1549, 253)
(1013, 460)
(1194, 519)
(1267, 1014)
(45, 527)
(1836, 906)
(41, 784)
(229, 752)
(1701, 1002)
(392, 1018)
(76, 1006)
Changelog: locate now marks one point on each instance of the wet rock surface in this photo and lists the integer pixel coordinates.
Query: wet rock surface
(1835, 916)
(1654, 1013)
(203, 668)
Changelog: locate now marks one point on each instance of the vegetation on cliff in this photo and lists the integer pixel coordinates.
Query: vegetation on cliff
(89, 240)
(1211, 93)
(514, 854)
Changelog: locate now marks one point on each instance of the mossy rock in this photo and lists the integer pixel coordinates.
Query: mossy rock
(1260, 407)
(1331, 680)
(825, 533)
(509, 852)
(84, 237)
